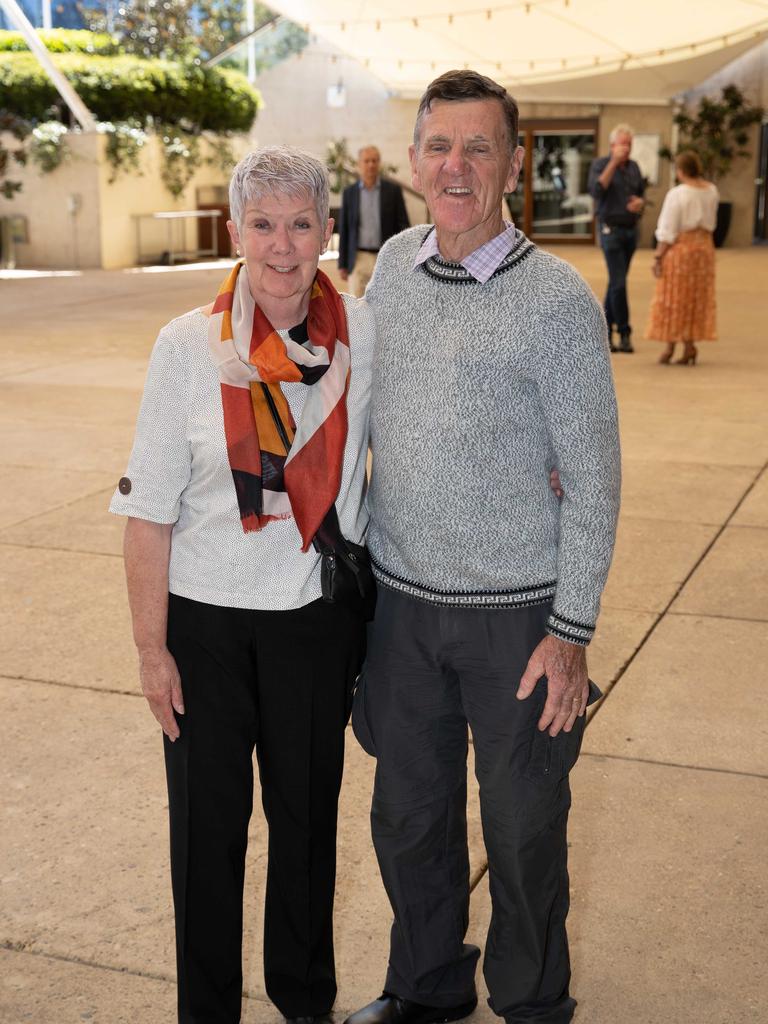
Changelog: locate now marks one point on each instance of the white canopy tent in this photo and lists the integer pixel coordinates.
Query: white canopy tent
(575, 50)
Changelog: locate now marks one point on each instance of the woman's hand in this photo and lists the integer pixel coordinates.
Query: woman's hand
(147, 549)
(554, 483)
(656, 267)
(161, 685)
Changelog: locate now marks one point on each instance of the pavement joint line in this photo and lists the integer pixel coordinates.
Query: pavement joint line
(44, 547)
(43, 366)
(15, 947)
(713, 615)
(678, 591)
(677, 764)
(651, 630)
(54, 508)
(18, 947)
(52, 469)
(70, 686)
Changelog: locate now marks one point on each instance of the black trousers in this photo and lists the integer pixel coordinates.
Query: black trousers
(431, 671)
(618, 249)
(280, 682)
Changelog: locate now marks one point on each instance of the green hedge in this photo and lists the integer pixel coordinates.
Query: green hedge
(62, 40)
(125, 87)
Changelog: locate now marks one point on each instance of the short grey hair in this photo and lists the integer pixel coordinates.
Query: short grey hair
(620, 129)
(282, 170)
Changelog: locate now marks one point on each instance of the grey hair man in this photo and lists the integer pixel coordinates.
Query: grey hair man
(372, 211)
(492, 366)
(617, 185)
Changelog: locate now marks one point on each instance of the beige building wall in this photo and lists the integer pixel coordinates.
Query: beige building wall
(750, 73)
(77, 219)
(59, 235)
(296, 110)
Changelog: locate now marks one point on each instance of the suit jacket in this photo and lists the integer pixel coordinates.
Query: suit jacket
(394, 218)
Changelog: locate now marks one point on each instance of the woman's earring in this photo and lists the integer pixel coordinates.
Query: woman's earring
(237, 252)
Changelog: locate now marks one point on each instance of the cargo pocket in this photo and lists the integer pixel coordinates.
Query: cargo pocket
(360, 725)
(552, 757)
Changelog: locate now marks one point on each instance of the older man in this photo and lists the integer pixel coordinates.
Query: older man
(492, 367)
(372, 211)
(617, 185)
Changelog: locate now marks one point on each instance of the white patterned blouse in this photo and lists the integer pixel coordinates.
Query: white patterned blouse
(179, 473)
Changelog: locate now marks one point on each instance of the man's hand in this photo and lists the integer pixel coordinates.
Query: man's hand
(343, 274)
(565, 666)
(635, 204)
(161, 685)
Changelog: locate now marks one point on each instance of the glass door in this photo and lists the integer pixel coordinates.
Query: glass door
(551, 202)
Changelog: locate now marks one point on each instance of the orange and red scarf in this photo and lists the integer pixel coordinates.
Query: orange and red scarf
(281, 469)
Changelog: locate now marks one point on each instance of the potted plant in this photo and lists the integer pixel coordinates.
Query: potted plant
(718, 131)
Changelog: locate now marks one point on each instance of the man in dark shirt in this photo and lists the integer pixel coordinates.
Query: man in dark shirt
(617, 185)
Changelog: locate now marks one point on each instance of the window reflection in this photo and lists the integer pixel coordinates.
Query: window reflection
(560, 162)
(551, 200)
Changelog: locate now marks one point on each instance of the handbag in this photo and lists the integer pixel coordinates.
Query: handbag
(346, 576)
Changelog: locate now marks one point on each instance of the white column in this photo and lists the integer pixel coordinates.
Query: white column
(250, 26)
(47, 21)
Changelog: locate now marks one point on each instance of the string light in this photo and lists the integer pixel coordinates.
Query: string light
(546, 67)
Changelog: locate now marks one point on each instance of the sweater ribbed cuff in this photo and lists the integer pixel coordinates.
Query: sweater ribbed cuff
(568, 630)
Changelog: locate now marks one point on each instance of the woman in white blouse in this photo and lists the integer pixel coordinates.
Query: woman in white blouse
(253, 423)
(683, 307)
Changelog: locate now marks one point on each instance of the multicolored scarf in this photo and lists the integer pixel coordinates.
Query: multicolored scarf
(281, 469)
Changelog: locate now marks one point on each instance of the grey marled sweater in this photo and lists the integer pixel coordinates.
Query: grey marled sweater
(479, 389)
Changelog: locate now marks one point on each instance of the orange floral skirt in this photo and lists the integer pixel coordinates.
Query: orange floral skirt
(683, 307)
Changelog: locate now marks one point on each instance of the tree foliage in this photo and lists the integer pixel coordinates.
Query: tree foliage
(184, 29)
(61, 40)
(127, 87)
(18, 129)
(718, 131)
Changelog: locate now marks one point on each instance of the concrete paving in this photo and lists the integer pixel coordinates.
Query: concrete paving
(670, 812)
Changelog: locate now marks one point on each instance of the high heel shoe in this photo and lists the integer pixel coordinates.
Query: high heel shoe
(665, 357)
(688, 356)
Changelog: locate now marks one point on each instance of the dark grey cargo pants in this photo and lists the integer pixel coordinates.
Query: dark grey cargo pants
(429, 672)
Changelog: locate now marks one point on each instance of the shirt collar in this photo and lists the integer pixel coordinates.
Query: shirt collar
(483, 263)
(376, 186)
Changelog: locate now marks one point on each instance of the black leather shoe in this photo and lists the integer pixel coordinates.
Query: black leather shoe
(625, 343)
(389, 1009)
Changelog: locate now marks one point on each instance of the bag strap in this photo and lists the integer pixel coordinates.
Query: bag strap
(329, 539)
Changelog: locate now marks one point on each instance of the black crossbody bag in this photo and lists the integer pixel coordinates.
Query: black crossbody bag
(346, 576)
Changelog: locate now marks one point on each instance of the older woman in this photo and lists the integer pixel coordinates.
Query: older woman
(253, 423)
(683, 307)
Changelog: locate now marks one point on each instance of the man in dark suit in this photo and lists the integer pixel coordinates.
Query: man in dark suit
(372, 210)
